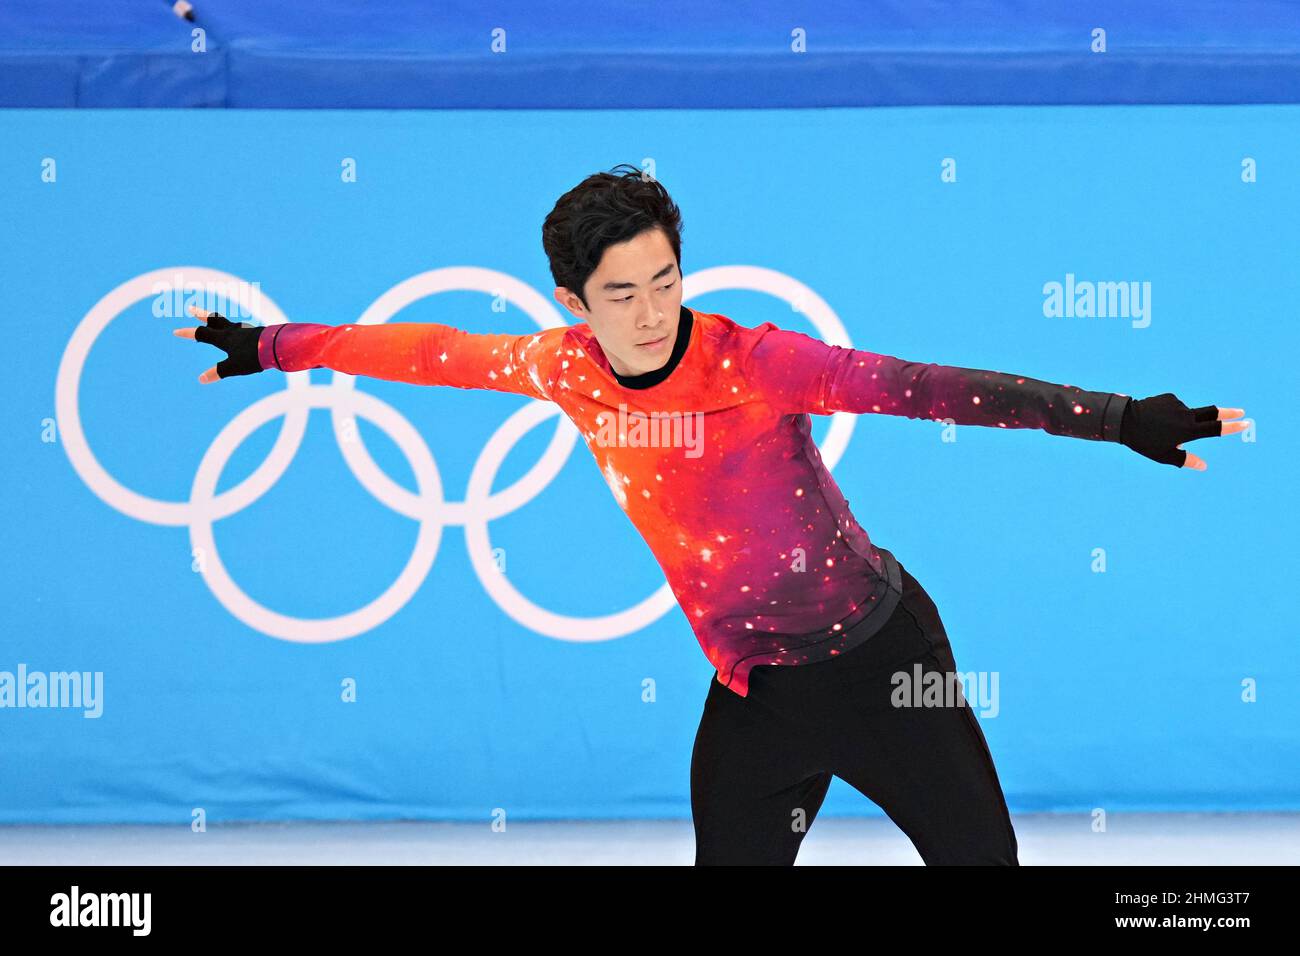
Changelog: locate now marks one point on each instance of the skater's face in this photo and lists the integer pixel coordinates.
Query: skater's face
(635, 296)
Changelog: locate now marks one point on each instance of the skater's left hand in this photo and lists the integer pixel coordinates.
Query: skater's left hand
(1156, 427)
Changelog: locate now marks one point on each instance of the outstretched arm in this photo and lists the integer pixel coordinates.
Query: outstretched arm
(802, 374)
(798, 373)
(421, 353)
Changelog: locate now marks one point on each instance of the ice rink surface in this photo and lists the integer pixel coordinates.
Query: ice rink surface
(1045, 840)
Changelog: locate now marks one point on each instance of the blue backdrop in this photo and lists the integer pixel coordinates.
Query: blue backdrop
(625, 54)
(1165, 681)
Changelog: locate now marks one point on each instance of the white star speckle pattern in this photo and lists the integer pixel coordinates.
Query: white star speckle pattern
(740, 512)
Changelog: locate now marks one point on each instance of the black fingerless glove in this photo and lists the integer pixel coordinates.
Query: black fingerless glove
(1153, 426)
(239, 342)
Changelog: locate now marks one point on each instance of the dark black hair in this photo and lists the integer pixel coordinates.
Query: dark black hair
(603, 210)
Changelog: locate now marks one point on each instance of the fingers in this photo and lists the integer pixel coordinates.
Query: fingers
(1213, 421)
(1231, 428)
(200, 314)
(1214, 427)
(1209, 413)
(191, 332)
(226, 368)
(1191, 461)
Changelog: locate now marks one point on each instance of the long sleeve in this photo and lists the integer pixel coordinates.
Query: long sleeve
(421, 353)
(797, 373)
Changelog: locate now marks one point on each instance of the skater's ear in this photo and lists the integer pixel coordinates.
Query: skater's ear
(574, 303)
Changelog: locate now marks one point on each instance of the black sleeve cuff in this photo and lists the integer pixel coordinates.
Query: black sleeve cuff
(1113, 417)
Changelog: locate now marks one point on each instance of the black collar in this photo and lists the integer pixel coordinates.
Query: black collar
(646, 379)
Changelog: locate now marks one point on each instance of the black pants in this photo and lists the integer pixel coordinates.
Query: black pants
(762, 764)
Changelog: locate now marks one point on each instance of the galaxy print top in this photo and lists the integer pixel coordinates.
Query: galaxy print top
(712, 459)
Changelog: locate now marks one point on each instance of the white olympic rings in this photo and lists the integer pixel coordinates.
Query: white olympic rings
(428, 506)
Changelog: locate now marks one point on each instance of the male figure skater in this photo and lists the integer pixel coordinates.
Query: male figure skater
(804, 619)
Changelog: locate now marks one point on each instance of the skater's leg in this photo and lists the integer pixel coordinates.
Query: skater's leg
(929, 768)
(755, 785)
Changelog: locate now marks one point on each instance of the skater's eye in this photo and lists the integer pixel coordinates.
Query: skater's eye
(662, 288)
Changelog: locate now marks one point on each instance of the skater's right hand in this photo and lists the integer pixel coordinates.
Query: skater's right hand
(239, 342)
